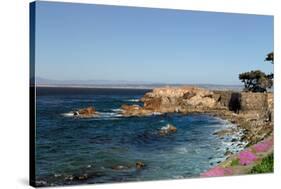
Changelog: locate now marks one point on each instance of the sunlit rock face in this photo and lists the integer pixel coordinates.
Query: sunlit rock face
(172, 99)
(251, 111)
(178, 99)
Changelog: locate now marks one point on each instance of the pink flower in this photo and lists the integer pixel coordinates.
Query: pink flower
(263, 146)
(246, 157)
(217, 171)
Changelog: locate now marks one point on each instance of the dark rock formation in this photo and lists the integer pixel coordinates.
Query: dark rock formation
(76, 177)
(139, 165)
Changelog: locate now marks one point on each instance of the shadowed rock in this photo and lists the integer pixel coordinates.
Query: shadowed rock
(139, 165)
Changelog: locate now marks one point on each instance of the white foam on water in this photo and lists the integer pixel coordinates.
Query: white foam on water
(227, 144)
(133, 100)
(156, 113)
(166, 127)
(109, 114)
(181, 150)
(116, 110)
(69, 114)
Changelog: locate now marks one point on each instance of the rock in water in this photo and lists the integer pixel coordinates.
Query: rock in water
(178, 99)
(135, 110)
(168, 129)
(69, 178)
(139, 164)
(83, 177)
(85, 112)
(172, 99)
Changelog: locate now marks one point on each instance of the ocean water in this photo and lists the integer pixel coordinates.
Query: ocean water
(68, 147)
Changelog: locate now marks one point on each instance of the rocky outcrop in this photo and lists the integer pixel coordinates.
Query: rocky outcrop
(172, 99)
(178, 99)
(192, 99)
(85, 112)
(251, 111)
(168, 129)
(135, 110)
(139, 165)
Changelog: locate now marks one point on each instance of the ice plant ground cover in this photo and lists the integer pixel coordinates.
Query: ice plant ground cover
(218, 171)
(243, 162)
(246, 157)
(263, 146)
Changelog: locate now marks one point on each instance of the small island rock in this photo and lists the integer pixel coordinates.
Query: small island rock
(168, 129)
(139, 164)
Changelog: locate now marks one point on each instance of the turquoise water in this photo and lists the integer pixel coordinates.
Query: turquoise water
(69, 147)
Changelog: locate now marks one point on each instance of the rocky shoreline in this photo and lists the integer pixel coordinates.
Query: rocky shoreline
(245, 161)
(251, 112)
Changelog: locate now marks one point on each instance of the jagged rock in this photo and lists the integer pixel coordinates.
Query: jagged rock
(76, 177)
(83, 177)
(69, 178)
(168, 129)
(172, 99)
(85, 112)
(135, 110)
(234, 140)
(227, 153)
(252, 112)
(224, 132)
(139, 164)
(177, 99)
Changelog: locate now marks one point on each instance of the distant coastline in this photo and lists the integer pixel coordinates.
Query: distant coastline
(144, 86)
(95, 86)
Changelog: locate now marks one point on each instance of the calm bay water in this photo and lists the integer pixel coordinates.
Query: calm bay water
(67, 146)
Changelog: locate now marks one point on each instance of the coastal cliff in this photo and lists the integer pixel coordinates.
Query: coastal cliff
(252, 112)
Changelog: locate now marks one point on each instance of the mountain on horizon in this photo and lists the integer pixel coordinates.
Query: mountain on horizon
(44, 81)
(122, 83)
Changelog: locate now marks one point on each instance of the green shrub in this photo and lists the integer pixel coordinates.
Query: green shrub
(266, 165)
(234, 162)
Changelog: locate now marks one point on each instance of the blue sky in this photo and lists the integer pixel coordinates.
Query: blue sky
(95, 42)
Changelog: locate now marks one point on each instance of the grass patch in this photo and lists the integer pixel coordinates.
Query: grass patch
(266, 165)
(234, 162)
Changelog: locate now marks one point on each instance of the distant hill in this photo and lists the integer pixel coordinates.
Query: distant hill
(124, 84)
